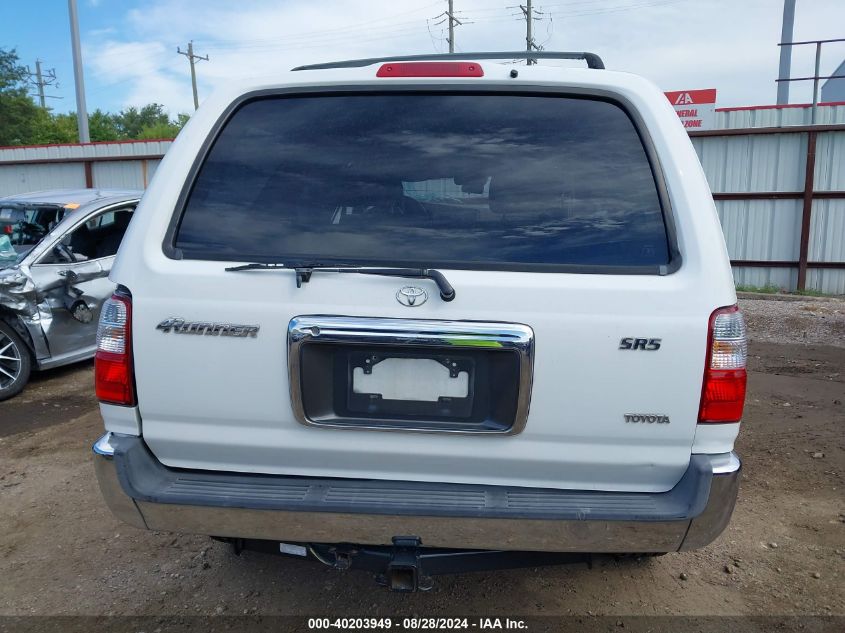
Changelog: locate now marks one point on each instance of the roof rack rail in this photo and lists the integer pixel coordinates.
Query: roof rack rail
(593, 60)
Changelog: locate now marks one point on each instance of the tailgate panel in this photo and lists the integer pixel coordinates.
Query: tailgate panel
(223, 403)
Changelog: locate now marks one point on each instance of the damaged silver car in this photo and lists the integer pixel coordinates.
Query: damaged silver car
(56, 252)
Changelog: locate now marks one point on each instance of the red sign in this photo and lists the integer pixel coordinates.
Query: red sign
(695, 108)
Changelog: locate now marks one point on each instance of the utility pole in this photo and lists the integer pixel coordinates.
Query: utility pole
(193, 59)
(452, 22)
(786, 51)
(40, 79)
(530, 45)
(79, 80)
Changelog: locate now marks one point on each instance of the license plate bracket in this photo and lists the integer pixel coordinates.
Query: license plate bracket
(397, 395)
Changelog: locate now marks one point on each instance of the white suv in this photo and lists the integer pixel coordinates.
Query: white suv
(534, 347)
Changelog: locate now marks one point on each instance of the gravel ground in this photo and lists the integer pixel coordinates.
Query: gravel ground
(818, 321)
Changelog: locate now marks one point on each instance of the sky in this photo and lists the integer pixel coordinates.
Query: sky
(129, 46)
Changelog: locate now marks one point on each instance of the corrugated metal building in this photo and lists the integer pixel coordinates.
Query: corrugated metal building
(119, 164)
(778, 116)
(783, 224)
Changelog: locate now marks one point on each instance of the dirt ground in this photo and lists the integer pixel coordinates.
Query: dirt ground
(782, 554)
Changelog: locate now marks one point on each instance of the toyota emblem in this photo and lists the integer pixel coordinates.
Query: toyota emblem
(411, 296)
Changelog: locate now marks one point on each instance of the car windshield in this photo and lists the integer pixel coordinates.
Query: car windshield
(9, 256)
(512, 182)
(25, 225)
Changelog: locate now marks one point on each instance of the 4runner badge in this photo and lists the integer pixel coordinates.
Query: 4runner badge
(181, 326)
(411, 296)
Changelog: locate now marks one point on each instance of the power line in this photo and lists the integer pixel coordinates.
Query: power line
(448, 16)
(381, 32)
(620, 8)
(375, 32)
(431, 36)
(41, 79)
(163, 67)
(549, 31)
(583, 12)
(307, 35)
(193, 59)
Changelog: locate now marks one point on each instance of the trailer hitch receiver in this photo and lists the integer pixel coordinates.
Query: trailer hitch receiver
(404, 571)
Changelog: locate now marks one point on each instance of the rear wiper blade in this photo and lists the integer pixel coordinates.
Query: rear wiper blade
(304, 271)
(255, 267)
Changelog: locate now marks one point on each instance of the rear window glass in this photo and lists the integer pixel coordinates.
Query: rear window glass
(460, 180)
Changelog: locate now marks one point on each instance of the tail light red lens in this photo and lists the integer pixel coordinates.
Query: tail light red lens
(114, 382)
(723, 391)
(430, 69)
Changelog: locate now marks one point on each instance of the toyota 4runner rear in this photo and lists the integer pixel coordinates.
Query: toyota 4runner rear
(426, 303)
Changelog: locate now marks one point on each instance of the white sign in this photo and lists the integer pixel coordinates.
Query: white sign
(696, 108)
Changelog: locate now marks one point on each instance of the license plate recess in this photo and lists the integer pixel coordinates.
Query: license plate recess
(411, 375)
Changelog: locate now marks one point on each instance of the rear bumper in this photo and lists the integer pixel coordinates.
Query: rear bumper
(144, 493)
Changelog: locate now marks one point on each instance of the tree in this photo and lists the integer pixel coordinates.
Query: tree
(164, 130)
(131, 121)
(19, 116)
(22, 122)
(56, 128)
(103, 126)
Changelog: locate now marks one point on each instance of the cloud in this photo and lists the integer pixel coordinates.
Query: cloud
(676, 43)
(140, 72)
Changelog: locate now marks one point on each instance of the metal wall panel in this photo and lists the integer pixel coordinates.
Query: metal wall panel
(152, 165)
(20, 177)
(762, 277)
(118, 175)
(23, 178)
(828, 281)
(778, 117)
(771, 229)
(830, 162)
(761, 229)
(87, 150)
(827, 231)
(762, 162)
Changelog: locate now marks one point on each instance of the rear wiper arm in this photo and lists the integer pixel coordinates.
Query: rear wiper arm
(447, 292)
(304, 271)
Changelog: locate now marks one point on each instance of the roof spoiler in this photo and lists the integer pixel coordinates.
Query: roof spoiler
(593, 60)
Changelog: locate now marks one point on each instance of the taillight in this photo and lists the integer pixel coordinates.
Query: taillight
(8, 229)
(430, 69)
(723, 391)
(113, 379)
